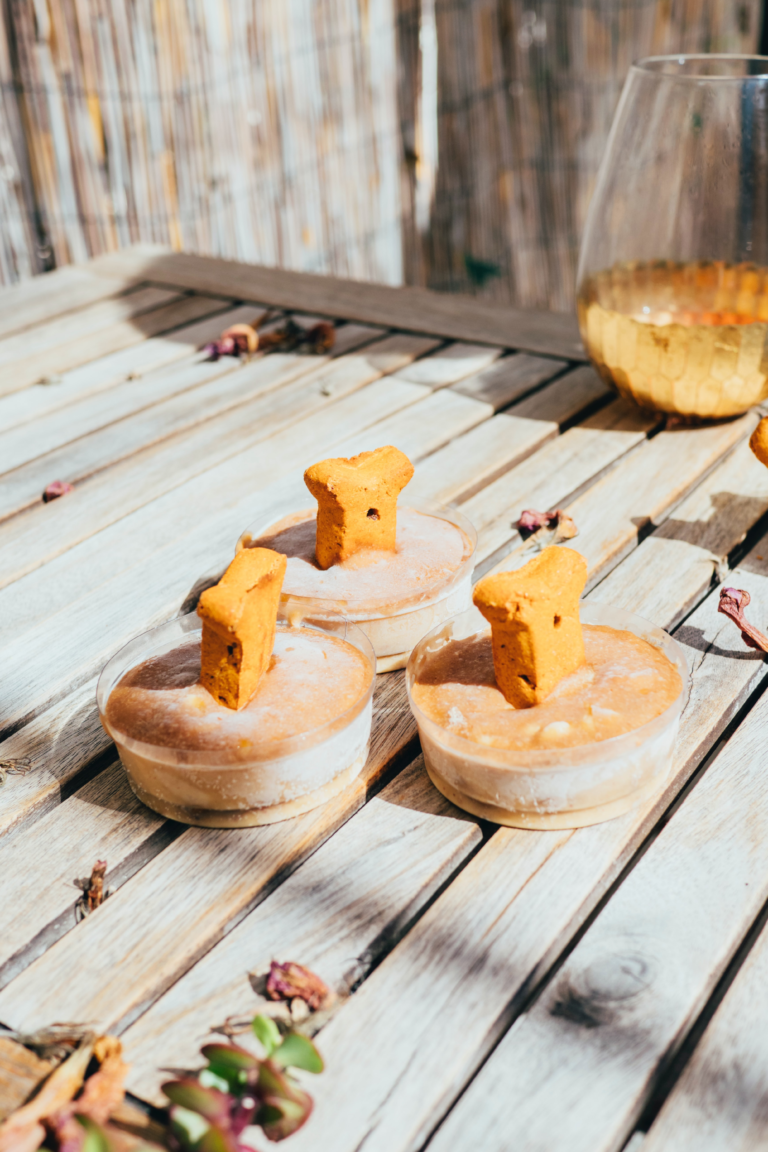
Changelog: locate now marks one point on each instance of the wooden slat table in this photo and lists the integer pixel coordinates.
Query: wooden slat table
(496, 988)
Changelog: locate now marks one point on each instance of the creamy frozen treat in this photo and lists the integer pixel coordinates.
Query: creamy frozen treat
(197, 749)
(557, 716)
(395, 571)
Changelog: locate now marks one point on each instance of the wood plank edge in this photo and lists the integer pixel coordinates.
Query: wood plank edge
(407, 308)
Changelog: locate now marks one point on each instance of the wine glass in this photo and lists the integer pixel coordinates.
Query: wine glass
(672, 284)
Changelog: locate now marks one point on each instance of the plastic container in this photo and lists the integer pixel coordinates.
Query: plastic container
(396, 627)
(234, 789)
(558, 788)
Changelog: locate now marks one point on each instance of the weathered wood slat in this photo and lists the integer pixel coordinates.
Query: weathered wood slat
(720, 1102)
(510, 378)
(67, 289)
(162, 406)
(104, 820)
(162, 468)
(411, 309)
(345, 907)
(465, 970)
(433, 422)
(46, 432)
(685, 552)
(18, 408)
(479, 457)
(450, 364)
(54, 340)
(58, 744)
(640, 491)
(643, 489)
(555, 472)
(157, 925)
(121, 334)
(578, 1068)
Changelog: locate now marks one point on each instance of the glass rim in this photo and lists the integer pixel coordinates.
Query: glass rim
(357, 610)
(647, 64)
(183, 630)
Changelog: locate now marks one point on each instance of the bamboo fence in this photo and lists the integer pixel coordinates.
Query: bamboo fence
(301, 133)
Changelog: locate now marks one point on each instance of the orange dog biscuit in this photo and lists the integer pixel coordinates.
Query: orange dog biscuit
(535, 626)
(239, 616)
(357, 502)
(758, 441)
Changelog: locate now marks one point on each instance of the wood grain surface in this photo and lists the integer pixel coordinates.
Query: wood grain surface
(337, 914)
(466, 969)
(395, 898)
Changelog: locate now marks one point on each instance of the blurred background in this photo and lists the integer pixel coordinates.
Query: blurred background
(448, 143)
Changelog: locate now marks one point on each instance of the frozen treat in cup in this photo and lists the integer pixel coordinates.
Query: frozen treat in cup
(558, 714)
(395, 570)
(245, 712)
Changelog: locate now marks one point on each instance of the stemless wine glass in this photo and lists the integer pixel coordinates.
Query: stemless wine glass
(673, 273)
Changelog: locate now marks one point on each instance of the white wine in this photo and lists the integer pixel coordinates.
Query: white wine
(683, 338)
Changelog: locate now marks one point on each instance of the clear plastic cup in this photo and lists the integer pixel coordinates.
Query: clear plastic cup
(236, 789)
(550, 788)
(393, 628)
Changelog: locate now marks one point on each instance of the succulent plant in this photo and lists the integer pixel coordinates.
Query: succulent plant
(237, 1090)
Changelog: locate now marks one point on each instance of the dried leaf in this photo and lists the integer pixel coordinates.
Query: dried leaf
(94, 894)
(58, 1090)
(733, 601)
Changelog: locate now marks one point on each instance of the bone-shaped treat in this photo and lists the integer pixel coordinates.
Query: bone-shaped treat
(535, 627)
(239, 616)
(357, 502)
(758, 441)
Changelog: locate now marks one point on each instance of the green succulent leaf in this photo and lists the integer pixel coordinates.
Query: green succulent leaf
(281, 1118)
(192, 1096)
(211, 1079)
(267, 1033)
(229, 1056)
(188, 1127)
(95, 1139)
(217, 1140)
(296, 1051)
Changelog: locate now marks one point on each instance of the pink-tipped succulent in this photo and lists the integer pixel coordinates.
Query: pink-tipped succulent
(733, 601)
(238, 1090)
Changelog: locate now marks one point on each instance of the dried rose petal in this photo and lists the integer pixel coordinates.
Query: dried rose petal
(733, 601)
(55, 489)
(289, 981)
(531, 521)
(546, 528)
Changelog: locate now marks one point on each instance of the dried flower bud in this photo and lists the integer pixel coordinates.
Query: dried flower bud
(546, 528)
(321, 337)
(245, 339)
(56, 489)
(733, 601)
(289, 981)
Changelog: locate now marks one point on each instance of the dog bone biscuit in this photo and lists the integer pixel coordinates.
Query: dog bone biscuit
(357, 502)
(758, 441)
(535, 626)
(239, 616)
